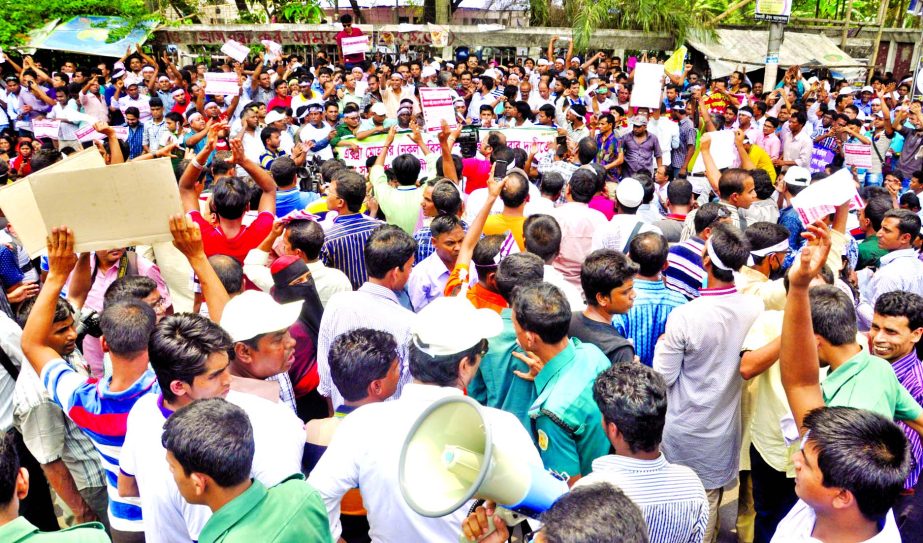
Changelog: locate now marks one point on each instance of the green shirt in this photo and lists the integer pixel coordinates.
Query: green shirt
(567, 424)
(21, 530)
(401, 205)
(868, 382)
(870, 253)
(290, 512)
(495, 385)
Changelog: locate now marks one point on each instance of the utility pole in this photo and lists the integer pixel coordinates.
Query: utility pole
(776, 33)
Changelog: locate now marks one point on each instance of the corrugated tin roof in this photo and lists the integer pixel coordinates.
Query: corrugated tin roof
(748, 47)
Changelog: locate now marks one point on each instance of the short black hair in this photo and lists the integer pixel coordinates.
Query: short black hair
(484, 253)
(518, 270)
(359, 357)
(388, 247)
(586, 150)
(900, 303)
(634, 398)
(127, 326)
(446, 197)
(604, 270)
(443, 224)
(308, 236)
(908, 222)
(132, 110)
(224, 452)
(679, 192)
(862, 452)
(9, 468)
(583, 185)
(62, 310)
(833, 315)
(552, 184)
(406, 169)
(649, 251)
(231, 195)
(267, 133)
(542, 309)
(45, 158)
(542, 236)
(180, 345)
(351, 187)
(594, 513)
(346, 19)
(762, 184)
(441, 370)
(764, 234)
(732, 182)
(129, 287)
(875, 209)
(283, 170)
(732, 247)
(229, 271)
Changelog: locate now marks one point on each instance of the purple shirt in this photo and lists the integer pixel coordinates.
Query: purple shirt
(640, 156)
(909, 372)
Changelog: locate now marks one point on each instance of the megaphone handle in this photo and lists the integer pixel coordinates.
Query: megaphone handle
(510, 518)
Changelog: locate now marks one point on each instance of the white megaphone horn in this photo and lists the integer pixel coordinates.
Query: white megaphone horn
(449, 458)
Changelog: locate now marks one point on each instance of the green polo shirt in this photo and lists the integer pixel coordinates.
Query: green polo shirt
(870, 253)
(21, 530)
(290, 512)
(495, 384)
(868, 382)
(566, 423)
(400, 204)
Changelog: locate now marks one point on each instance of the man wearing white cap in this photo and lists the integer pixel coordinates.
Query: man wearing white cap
(377, 123)
(395, 92)
(133, 98)
(448, 339)
(263, 348)
(624, 225)
(864, 101)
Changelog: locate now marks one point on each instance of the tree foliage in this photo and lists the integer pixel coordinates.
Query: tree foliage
(21, 17)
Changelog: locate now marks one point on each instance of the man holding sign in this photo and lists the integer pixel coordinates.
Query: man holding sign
(349, 31)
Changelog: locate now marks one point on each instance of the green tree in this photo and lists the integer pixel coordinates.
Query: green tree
(21, 17)
(676, 17)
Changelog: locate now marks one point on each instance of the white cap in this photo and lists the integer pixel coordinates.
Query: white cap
(428, 71)
(848, 89)
(542, 62)
(274, 116)
(630, 192)
(868, 89)
(379, 109)
(451, 325)
(797, 176)
(491, 73)
(253, 313)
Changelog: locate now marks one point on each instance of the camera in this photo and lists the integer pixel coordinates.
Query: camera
(468, 141)
(88, 325)
(310, 176)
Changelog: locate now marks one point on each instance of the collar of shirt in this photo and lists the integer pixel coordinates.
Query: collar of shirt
(18, 529)
(905, 364)
(718, 291)
(380, 291)
(164, 410)
(225, 518)
(616, 462)
(895, 255)
(654, 286)
(752, 275)
(554, 366)
(840, 376)
(486, 297)
(419, 392)
(353, 217)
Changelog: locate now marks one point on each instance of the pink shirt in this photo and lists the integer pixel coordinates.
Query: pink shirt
(94, 107)
(578, 223)
(603, 205)
(770, 144)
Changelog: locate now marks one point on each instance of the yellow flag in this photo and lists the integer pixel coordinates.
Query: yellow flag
(675, 64)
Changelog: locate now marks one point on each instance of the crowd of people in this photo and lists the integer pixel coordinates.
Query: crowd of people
(633, 315)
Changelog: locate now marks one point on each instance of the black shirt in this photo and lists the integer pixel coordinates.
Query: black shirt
(604, 336)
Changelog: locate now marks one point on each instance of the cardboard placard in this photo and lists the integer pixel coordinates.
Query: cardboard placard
(355, 45)
(108, 207)
(648, 85)
(235, 50)
(224, 83)
(88, 133)
(820, 158)
(858, 155)
(438, 104)
(723, 152)
(821, 198)
(46, 128)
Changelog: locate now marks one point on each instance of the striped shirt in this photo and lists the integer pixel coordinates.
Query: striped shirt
(344, 246)
(670, 496)
(103, 416)
(646, 320)
(909, 371)
(684, 272)
(424, 238)
(372, 306)
(135, 141)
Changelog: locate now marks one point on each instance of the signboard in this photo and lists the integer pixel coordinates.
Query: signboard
(235, 50)
(723, 151)
(774, 11)
(224, 83)
(438, 104)
(355, 45)
(46, 128)
(858, 155)
(820, 158)
(821, 198)
(88, 133)
(648, 86)
(139, 197)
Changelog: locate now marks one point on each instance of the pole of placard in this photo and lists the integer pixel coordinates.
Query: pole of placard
(776, 31)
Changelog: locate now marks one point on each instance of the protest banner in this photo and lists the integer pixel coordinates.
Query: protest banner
(723, 151)
(438, 104)
(542, 139)
(88, 133)
(46, 128)
(648, 85)
(822, 197)
(820, 158)
(224, 83)
(858, 155)
(275, 49)
(235, 50)
(355, 45)
(139, 197)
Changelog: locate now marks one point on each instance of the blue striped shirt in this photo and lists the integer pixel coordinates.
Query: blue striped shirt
(647, 319)
(684, 272)
(103, 417)
(344, 246)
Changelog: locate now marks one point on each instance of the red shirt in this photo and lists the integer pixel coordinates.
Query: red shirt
(476, 172)
(279, 101)
(249, 237)
(358, 57)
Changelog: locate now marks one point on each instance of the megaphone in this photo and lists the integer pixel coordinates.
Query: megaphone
(449, 457)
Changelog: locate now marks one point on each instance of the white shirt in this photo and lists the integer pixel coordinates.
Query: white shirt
(10, 340)
(427, 281)
(365, 453)
(615, 234)
(667, 133)
(573, 294)
(277, 433)
(798, 525)
(142, 102)
(538, 206)
(309, 132)
(900, 270)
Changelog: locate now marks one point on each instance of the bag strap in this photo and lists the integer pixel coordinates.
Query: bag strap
(634, 232)
(8, 365)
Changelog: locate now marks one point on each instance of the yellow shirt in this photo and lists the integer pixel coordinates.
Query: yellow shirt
(501, 224)
(762, 161)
